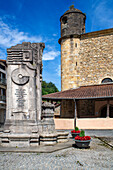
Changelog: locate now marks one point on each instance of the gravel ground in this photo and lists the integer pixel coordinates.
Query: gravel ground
(99, 156)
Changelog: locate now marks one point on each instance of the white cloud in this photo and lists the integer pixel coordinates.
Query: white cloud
(54, 35)
(51, 55)
(58, 70)
(10, 36)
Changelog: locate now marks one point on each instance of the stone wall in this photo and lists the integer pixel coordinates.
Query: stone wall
(96, 58)
(86, 59)
(69, 63)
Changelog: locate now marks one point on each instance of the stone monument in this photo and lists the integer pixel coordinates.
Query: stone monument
(28, 122)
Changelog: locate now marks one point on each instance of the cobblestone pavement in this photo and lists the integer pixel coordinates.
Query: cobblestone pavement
(98, 156)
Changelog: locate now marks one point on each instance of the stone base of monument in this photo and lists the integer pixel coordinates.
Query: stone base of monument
(21, 127)
(62, 136)
(48, 139)
(52, 139)
(19, 140)
(29, 140)
(28, 133)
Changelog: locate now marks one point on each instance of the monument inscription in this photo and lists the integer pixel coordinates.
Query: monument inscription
(20, 94)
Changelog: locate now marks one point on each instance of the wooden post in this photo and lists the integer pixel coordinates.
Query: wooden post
(75, 113)
(107, 108)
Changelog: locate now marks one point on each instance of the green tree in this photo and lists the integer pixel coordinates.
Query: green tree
(48, 88)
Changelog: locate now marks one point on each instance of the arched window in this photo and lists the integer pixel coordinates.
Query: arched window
(64, 20)
(107, 80)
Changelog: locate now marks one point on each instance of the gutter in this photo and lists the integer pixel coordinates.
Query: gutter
(104, 97)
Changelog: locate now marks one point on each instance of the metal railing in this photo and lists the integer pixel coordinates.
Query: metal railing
(2, 98)
(3, 81)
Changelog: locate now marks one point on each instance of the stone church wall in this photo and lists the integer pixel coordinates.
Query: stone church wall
(86, 59)
(96, 57)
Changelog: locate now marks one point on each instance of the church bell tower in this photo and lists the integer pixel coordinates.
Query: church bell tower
(72, 26)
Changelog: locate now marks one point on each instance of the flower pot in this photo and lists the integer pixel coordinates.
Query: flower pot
(75, 134)
(82, 143)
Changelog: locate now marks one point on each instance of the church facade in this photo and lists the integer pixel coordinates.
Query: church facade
(86, 61)
(86, 58)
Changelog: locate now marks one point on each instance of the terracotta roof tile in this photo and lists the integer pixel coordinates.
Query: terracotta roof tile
(84, 92)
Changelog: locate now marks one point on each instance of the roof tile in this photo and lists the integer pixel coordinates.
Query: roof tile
(84, 92)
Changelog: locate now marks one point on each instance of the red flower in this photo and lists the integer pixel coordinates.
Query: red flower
(73, 131)
(82, 138)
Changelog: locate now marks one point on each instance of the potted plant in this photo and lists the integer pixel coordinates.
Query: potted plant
(75, 132)
(82, 141)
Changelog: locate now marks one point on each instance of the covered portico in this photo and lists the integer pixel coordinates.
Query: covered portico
(89, 107)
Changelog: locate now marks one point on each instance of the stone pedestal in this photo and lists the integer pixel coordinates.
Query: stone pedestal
(49, 134)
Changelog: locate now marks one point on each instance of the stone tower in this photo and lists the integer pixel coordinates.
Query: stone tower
(72, 26)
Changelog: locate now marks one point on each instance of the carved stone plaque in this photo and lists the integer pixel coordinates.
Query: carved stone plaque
(27, 55)
(20, 77)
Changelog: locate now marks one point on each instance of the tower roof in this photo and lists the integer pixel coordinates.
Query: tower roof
(72, 10)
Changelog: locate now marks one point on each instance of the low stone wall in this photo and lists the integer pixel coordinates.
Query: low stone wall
(86, 123)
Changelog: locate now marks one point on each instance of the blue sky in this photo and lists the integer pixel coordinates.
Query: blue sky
(38, 21)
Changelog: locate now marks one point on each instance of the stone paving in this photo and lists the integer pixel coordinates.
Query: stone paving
(98, 156)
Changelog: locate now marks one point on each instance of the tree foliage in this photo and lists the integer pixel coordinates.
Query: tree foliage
(48, 88)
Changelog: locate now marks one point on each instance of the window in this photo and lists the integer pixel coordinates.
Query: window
(76, 45)
(2, 75)
(82, 30)
(64, 20)
(107, 80)
(2, 67)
